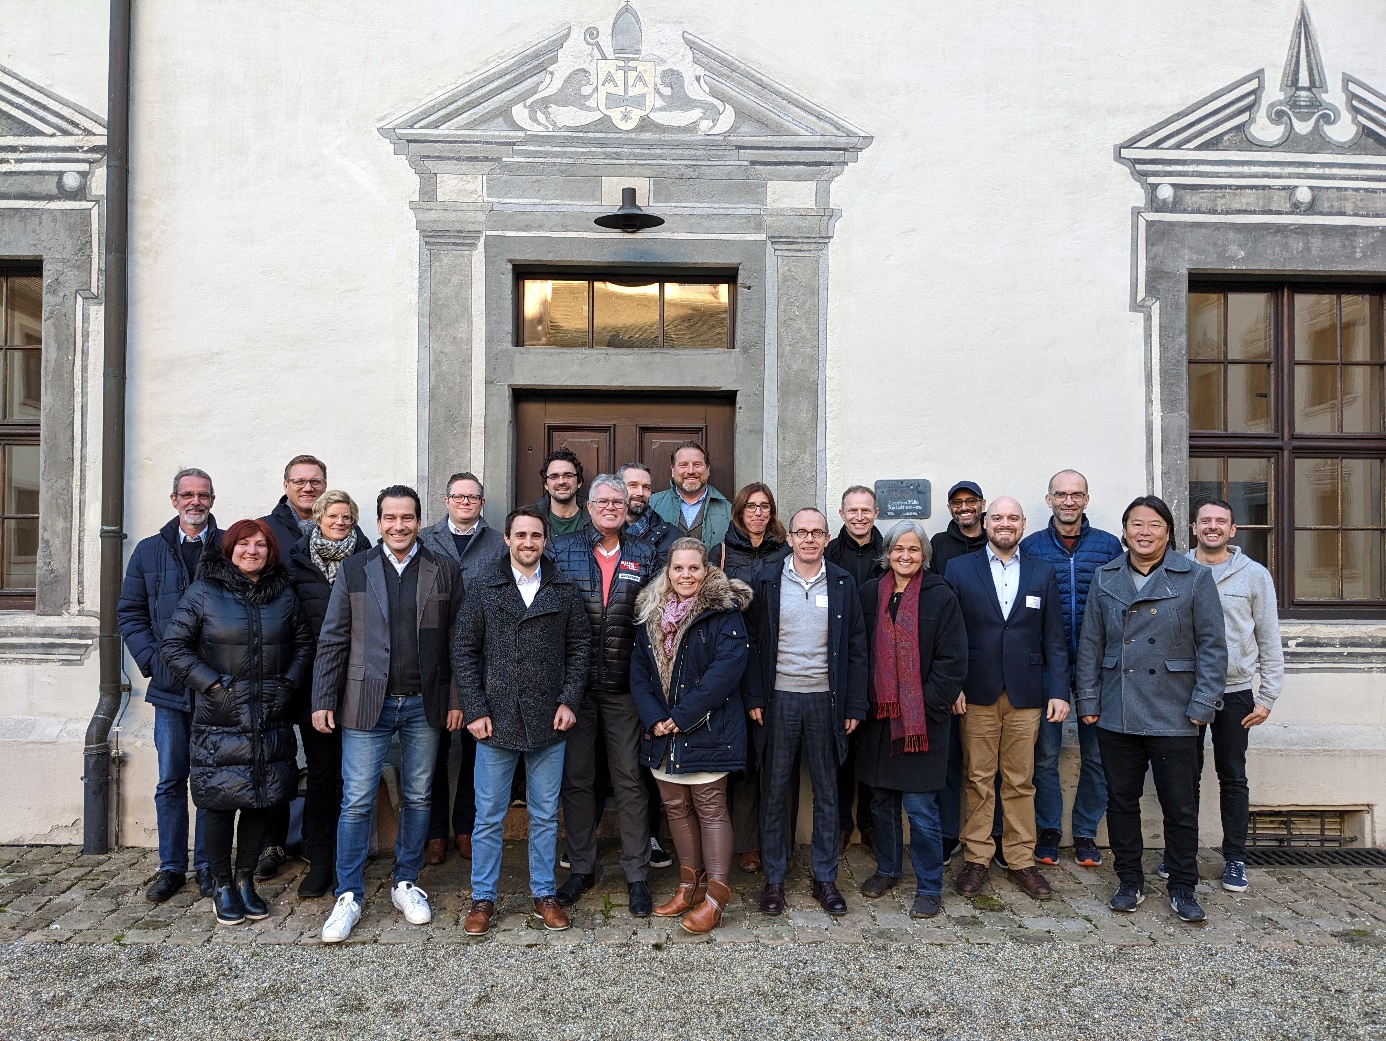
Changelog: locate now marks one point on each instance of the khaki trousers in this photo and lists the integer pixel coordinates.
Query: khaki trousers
(999, 737)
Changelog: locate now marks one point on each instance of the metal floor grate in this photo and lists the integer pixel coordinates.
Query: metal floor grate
(1283, 856)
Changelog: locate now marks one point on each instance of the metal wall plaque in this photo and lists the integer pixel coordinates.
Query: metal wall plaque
(903, 499)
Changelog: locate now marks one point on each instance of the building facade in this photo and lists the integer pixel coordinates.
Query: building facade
(896, 244)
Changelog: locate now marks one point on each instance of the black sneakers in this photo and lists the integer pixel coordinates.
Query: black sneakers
(1127, 898)
(1182, 901)
(271, 860)
(659, 857)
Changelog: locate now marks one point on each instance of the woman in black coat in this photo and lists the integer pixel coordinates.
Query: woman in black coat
(313, 564)
(690, 652)
(917, 672)
(239, 642)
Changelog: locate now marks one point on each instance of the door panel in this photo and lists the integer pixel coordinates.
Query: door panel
(606, 432)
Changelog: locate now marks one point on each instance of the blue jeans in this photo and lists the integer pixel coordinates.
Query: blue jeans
(1090, 804)
(495, 769)
(926, 837)
(363, 754)
(172, 735)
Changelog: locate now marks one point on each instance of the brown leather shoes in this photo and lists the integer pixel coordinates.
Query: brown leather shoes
(684, 898)
(554, 917)
(706, 916)
(435, 851)
(971, 879)
(1036, 886)
(478, 922)
(464, 846)
(749, 862)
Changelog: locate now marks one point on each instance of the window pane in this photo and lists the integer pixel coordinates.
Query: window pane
(1248, 398)
(1316, 493)
(1316, 565)
(1205, 326)
(1362, 493)
(625, 316)
(1249, 491)
(1205, 397)
(1362, 564)
(19, 560)
(24, 327)
(695, 315)
(1316, 327)
(21, 479)
(1361, 341)
(555, 313)
(1248, 325)
(1205, 481)
(23, 384)
(1316, 399)
(1255, 543)
(1361, 399)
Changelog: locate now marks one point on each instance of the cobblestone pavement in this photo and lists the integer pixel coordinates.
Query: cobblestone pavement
(53, 894)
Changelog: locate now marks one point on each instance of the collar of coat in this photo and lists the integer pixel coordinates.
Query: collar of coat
(216, 568)
(501, 575)
(719, 593)
(1117, 581)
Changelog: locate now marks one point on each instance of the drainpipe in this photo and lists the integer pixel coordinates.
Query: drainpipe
(96, 756)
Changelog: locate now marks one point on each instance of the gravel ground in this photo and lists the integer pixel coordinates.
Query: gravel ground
(802, 992)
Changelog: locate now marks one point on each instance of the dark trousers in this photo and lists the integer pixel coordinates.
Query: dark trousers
(249, 837)
(1229, 759)
(322, 803)
(614, 716)
(464, 802)
(1174, 761)
(808, 723)
(850, 791)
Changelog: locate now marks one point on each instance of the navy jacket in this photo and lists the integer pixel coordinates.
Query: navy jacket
(1010, 654)
(1074, 570)
(655, 530)
(847, 653)
(155, 580)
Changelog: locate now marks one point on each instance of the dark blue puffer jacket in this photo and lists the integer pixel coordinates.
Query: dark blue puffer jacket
(155, 580)
(1074, 571)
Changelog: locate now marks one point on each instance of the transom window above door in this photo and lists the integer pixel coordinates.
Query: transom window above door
(624, 310)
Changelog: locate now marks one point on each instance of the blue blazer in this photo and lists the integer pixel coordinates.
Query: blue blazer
(1010, 653)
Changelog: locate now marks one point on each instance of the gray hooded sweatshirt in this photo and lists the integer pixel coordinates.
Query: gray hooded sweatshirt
(1249, 612)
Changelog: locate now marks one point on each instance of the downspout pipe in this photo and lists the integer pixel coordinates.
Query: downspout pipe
(96, 755)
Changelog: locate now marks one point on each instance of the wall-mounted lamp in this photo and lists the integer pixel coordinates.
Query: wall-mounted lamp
(630, 217)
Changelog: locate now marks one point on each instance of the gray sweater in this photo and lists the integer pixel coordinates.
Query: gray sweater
(802, 662)
(1249, 611)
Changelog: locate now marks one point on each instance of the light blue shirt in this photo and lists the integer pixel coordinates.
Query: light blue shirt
(1005, 575)
(690, 509)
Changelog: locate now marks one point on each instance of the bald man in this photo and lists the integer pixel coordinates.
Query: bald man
(1015, 628)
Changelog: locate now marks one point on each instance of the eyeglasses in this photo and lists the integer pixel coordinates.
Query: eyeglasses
(308, 482)
(759, 507)
(1068, 496)
(955, 504)
(608, 504)
(195, 496)
(568, 475)
(465, 498)
(809, 533)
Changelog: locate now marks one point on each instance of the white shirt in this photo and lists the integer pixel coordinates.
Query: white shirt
(201, 536)
(1005, 574)
(400, 565)
(528, 585)
(805, 583)
(458, 531)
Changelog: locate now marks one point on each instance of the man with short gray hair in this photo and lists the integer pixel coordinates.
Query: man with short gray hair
(160, 570)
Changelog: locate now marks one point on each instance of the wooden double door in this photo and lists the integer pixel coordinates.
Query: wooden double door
(608, 431)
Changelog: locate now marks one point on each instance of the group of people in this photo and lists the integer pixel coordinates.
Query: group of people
(695, 654)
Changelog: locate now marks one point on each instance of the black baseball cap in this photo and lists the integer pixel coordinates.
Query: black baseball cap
(965, 486)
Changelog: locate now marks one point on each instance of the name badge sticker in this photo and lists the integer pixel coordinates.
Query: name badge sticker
(1032, 601)
(821, 600)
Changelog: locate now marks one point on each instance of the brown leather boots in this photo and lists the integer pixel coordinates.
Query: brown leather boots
(706, 916)
(688, 894)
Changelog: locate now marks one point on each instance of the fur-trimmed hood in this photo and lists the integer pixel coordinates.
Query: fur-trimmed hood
(214, 567)
(719, 593)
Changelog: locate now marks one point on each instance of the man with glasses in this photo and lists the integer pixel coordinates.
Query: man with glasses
(1076, 550)
(160, 570)
(610, 569)
(965, 532)
(463, 537)
(807, 686)
(690, 503)
(561, 503)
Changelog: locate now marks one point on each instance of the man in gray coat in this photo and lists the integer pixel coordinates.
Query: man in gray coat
(1251, 616)
(464, 538)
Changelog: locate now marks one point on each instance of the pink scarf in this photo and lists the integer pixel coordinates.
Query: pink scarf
(898, 689)
(675, 611)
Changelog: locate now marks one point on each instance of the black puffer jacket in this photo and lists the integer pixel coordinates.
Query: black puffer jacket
(613, 622)
(655, 530)
(253, 640)
(741, 560)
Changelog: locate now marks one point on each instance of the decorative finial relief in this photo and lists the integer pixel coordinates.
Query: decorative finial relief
(1303, 108)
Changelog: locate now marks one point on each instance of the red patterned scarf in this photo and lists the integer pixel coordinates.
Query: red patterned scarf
(898, 693)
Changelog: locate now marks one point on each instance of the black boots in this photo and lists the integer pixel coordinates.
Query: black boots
(255, 908)
(317, 882)
(226, 902)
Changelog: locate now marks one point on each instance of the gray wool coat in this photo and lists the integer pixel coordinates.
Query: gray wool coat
(1150, 662)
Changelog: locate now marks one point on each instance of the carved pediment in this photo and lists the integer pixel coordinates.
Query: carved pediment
(38, 127)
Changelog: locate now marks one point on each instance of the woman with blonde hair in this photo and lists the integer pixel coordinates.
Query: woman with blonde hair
(690, 651)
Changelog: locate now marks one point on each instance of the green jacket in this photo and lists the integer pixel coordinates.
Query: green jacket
(716, 518)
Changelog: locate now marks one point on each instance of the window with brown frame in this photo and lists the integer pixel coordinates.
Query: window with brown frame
(1287, 422)
(21, 398)
(618, 309)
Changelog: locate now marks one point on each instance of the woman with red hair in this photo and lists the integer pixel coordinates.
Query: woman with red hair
(240, 643)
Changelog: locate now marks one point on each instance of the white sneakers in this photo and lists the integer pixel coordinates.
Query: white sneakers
(409, 898)
(413, 901)
(345, 914)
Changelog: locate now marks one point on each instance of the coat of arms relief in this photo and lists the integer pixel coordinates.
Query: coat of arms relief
(646, 75)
